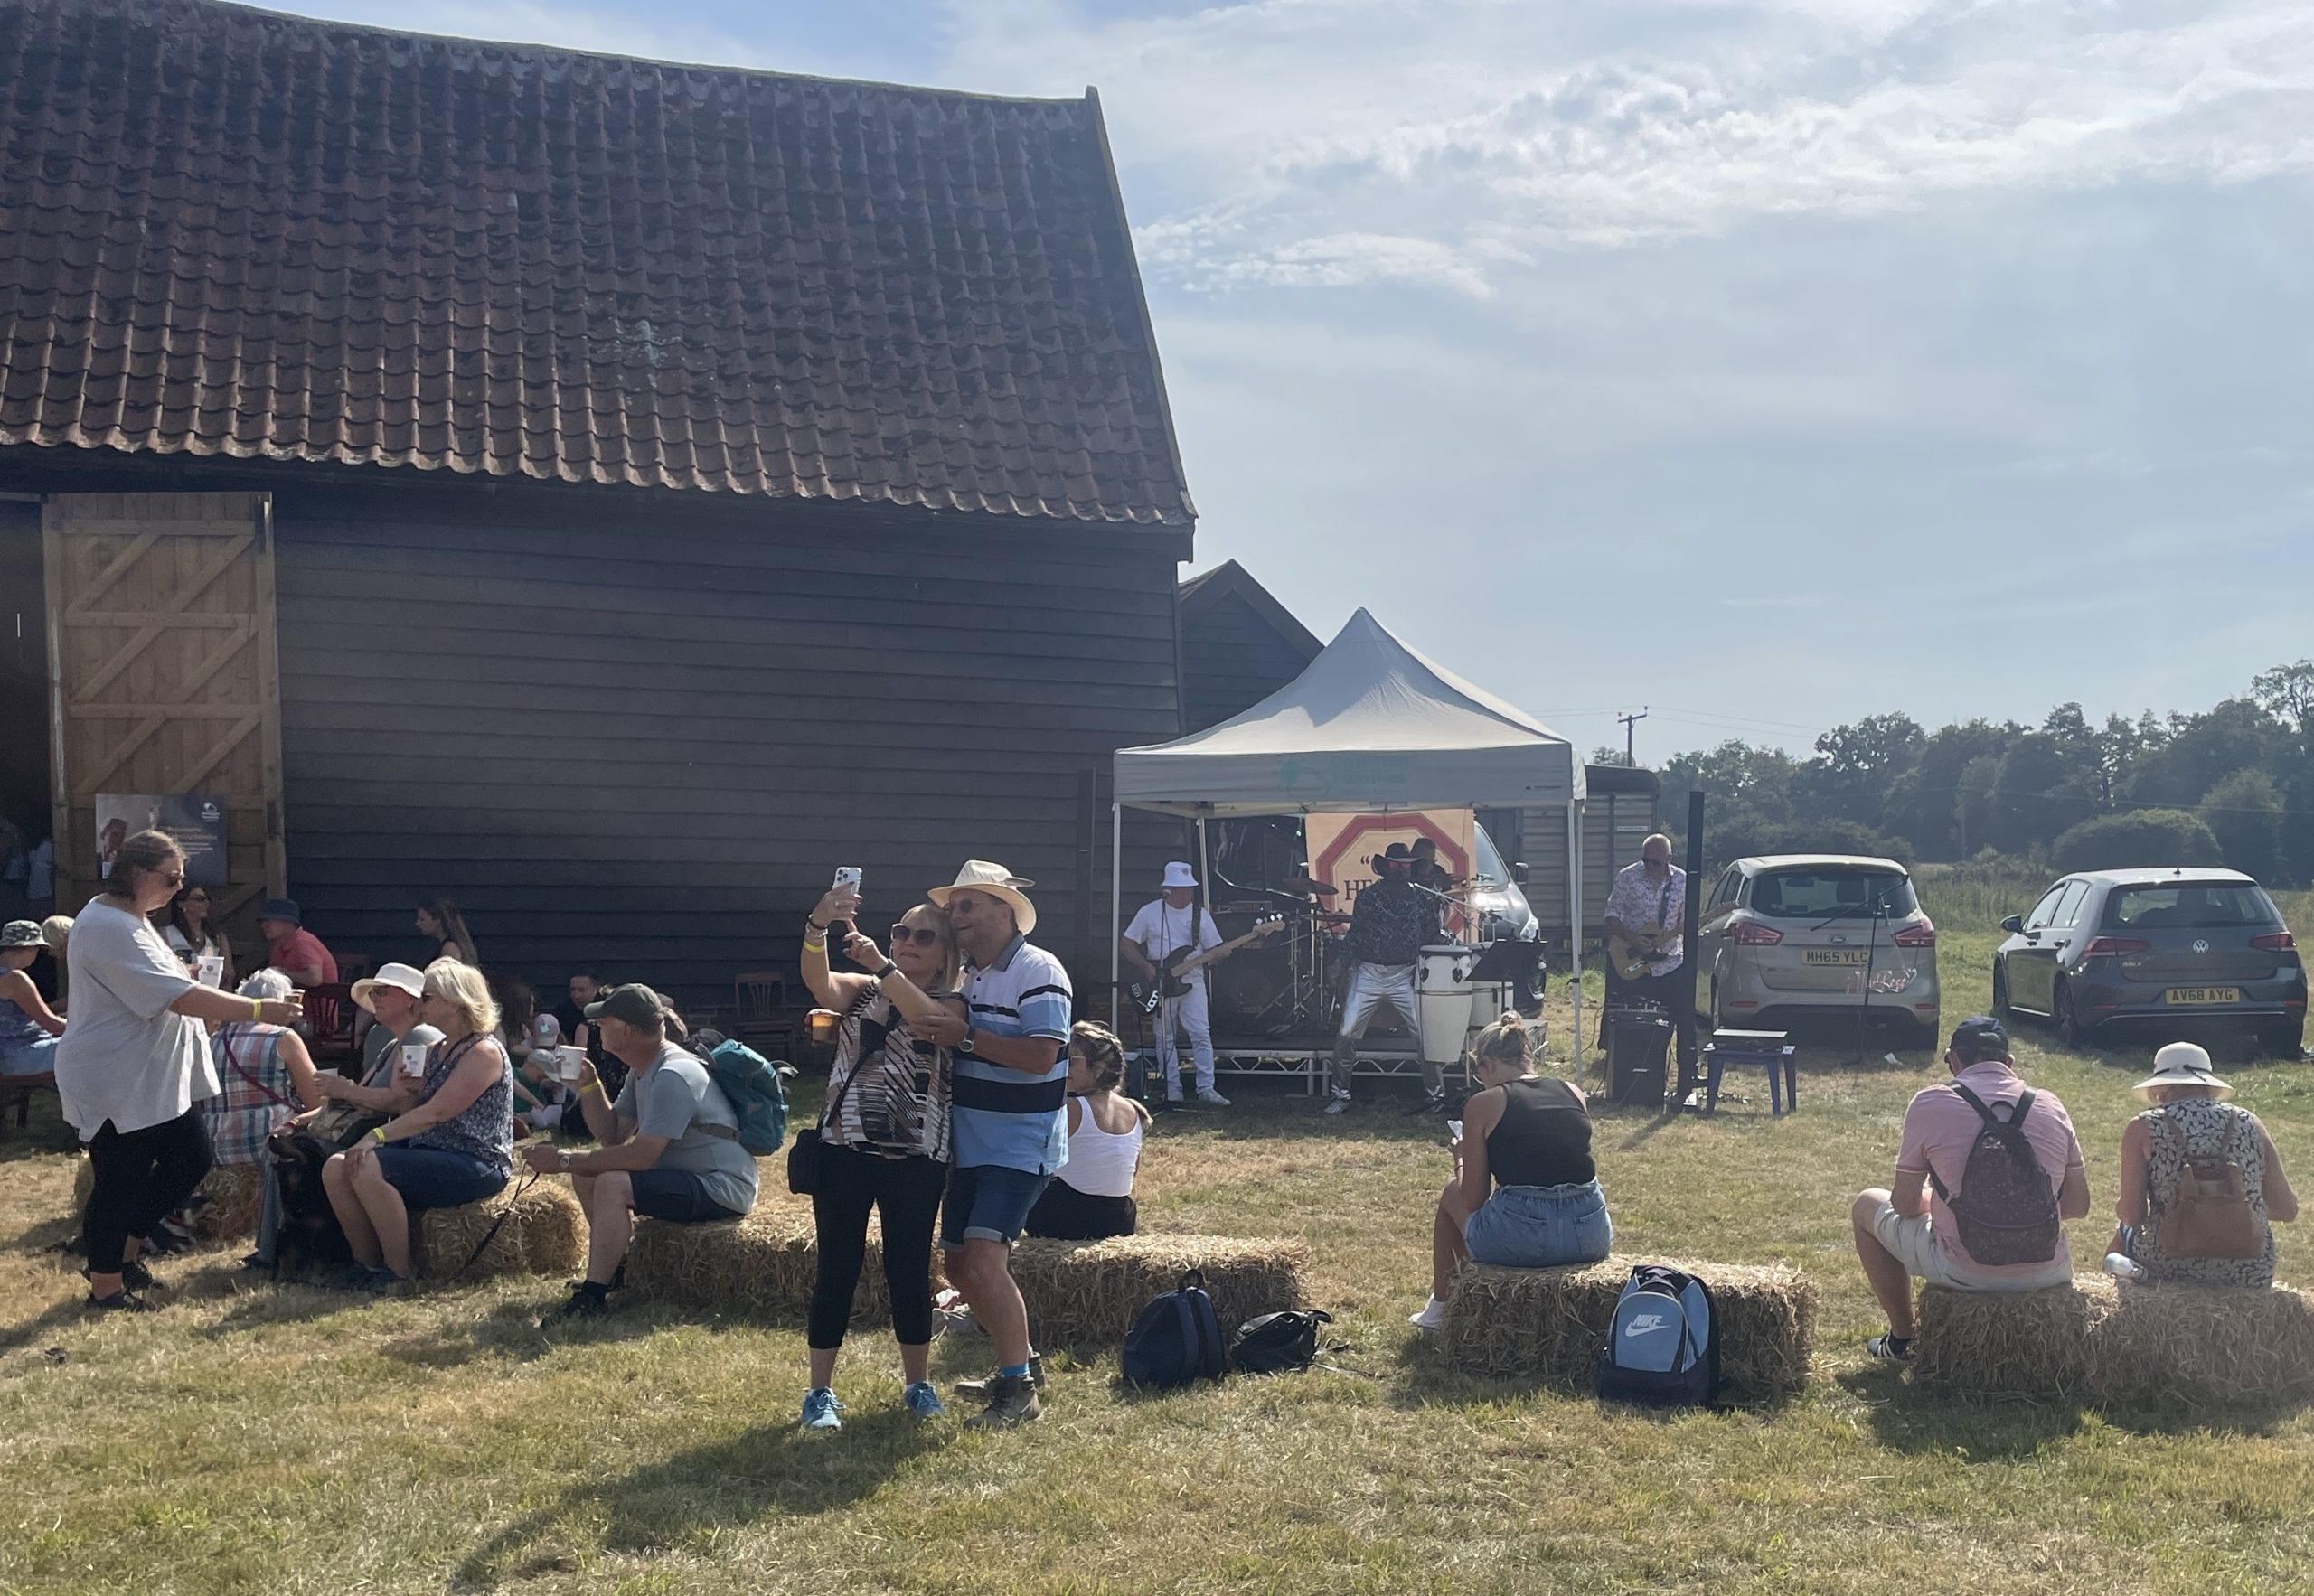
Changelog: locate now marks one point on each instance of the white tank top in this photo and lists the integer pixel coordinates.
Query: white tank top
(1100, 1164)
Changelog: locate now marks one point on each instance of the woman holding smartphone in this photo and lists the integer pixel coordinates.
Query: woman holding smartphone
(884, 1137)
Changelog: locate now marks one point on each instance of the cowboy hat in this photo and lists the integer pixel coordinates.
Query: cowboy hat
(1179, 874)
(2181, 1063)
(981, 876)
(406, 978)
(1398, 853)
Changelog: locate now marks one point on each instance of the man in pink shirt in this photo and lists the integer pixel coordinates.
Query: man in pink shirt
(1912, 1230)
(292, 948)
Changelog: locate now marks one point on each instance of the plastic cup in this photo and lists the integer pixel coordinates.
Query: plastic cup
(567, 1064)
(824, 1023)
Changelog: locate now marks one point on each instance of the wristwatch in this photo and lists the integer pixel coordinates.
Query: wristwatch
(965, 1046)
(562, 1161)
(888, 971)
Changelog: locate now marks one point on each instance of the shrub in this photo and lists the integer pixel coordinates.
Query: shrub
(2143, 837)
(2244, 812)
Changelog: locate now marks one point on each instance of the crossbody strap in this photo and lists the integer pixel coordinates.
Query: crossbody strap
(264, 1090)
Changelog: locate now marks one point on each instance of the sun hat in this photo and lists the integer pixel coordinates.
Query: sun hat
(2181, 1063)
(403, 978)
(1179, 874)
(979, 875)
(282, 908)
(22, 934)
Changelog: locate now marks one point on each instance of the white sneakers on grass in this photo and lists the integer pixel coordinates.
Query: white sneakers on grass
(1433, 1317)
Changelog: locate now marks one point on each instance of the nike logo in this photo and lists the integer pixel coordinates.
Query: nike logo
(1642, 1325)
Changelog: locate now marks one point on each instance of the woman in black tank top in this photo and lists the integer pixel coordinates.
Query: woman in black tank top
(1526, 1193)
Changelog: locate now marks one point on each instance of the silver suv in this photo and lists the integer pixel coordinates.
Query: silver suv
(1818, 932)
(2175, 946)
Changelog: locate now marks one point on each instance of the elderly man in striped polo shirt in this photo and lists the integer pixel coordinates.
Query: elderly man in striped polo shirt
(1009, 1119)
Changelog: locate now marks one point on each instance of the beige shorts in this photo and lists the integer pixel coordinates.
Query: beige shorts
(1911, 1238)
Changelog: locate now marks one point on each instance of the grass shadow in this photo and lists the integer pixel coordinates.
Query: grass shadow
(774, 1467)
(1906, 1419)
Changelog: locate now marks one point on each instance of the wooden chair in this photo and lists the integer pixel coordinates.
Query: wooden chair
(329, 1020)
(16, 1092)
(759, 1011)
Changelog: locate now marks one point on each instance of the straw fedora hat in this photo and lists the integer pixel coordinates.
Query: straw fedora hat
(406, 978)
(981, 876)
(2181, 1063)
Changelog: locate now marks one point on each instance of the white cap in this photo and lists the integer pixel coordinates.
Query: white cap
(1179, 874)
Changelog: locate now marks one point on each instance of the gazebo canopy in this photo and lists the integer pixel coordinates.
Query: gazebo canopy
(1370, 726)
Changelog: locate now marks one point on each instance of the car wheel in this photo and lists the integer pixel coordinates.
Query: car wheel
(2001, 1009)
(2071, 1033)
(2283, 1039)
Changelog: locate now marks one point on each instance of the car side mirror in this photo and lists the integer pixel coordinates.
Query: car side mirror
(1518, 872)
(2013, 925)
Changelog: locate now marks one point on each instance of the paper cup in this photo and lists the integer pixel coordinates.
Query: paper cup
(210, 970)
(824, 1023)
(413, 1058)
(568, 1063)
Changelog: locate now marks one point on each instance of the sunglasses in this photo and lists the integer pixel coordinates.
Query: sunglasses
(923, 937)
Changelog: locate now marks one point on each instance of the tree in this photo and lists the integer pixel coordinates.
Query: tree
(1603, 754)
(2244, 812)
(1924, 803)
(2239, 734)
(2035, 797)
(1855, 767)
(2287, 694)
(2135, 839)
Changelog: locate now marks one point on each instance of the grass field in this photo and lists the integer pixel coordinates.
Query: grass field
(285, 1439)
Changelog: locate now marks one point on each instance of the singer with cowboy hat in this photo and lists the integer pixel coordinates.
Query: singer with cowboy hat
(1166, 924)
(1009, 1114)
(1390, 922)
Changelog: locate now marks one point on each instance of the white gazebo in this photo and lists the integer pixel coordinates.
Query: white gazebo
(1369, 727)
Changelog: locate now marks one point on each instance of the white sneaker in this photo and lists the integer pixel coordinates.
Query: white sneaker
(1208, 1094)
(1340, 1102)
(1433, 1317)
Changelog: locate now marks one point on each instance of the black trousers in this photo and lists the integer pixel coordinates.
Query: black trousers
(905, 1194)
(139, 1178)
(1675, 991)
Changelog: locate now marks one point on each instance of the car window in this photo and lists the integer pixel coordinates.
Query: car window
(2069, 905)
(1724, 893)
(2044, 912)
(2206, 905)
(1816, 895)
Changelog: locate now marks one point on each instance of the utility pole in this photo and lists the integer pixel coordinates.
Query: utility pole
(1629, 721)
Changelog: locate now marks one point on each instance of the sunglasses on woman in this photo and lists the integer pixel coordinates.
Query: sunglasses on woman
(923, 937)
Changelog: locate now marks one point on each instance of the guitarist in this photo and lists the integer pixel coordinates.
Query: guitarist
(1171, 922)
(1646, 909)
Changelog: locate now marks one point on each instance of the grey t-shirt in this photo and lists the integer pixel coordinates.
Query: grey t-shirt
(379, 1048)
(675, 1098)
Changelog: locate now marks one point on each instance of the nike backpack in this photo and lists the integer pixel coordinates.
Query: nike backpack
(1663, 1343)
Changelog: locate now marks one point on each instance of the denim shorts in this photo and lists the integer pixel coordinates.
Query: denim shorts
(676, 1196)
(987, 1203)
(1540, 1226)
(437, 1178)
(35, 1058)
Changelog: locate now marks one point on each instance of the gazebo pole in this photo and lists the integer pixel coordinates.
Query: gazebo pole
(1117, 908)
(1574, 920)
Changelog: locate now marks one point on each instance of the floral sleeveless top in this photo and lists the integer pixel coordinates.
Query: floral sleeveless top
(485, 1130)
(2202, 1127)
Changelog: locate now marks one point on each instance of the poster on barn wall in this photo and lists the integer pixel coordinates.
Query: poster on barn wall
(195, 820)
(1340, 844)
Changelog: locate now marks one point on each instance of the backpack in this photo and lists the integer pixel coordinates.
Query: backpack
(2209, 1214)
(1662, 1343)
(1277, 1342)
(2006, 1212)
(757, 1091)
(1176, 1339)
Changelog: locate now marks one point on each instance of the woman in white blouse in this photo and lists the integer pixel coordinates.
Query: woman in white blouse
(134, 1064)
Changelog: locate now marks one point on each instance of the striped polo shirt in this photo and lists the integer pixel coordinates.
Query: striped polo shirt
(1006, 1117)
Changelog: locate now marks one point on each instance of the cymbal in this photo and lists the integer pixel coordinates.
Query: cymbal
(1303, 883)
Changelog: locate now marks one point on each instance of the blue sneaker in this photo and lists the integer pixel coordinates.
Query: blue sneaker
(923, 1401)
(821, 1408)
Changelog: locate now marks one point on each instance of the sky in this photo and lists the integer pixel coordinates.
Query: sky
(1766, 364)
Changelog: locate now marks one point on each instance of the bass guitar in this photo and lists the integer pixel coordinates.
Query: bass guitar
(1175, 968)
(1630, 952)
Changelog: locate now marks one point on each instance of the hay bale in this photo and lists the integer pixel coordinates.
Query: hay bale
(233, 1191)
(1089, 1292)
(1551, 1324)
(545, 1233)
(2124, 1344)
(761, 1267)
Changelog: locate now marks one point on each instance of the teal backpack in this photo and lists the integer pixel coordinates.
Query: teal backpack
(757, 1090)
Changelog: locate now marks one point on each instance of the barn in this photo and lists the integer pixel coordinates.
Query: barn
(607, 492)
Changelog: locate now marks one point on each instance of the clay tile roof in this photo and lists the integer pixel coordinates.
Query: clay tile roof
(229, 232)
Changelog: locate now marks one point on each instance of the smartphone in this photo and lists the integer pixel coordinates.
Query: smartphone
(1453, 1130)
(847, 878)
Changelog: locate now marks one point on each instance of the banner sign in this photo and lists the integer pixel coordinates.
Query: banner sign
(196, 822)
(1341, 844)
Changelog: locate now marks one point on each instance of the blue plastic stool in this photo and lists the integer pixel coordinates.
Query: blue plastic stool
(1769, 1048)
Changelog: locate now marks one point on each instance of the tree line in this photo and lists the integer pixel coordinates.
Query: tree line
(2233, 784)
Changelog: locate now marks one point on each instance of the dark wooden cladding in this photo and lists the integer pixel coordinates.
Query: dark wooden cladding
(643, 740)
(1236, 649)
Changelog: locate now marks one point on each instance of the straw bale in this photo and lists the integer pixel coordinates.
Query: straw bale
(763, 1266)
(1551, 1324)
(232, 1190)
(545, 1233)
(2125, 1344)
(1090, 1292)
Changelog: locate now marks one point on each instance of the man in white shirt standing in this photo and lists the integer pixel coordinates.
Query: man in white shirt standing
(1175, 922)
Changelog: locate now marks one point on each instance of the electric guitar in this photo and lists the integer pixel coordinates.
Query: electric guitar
(1175, 968)
(1630, 952)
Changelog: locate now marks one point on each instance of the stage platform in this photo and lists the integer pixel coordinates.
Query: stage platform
(1303, 1059)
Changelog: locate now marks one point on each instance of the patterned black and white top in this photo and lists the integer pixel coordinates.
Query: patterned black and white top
(894, 1087)
(2210, 1129)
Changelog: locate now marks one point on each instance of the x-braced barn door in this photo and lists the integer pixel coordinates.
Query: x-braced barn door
(163, 672)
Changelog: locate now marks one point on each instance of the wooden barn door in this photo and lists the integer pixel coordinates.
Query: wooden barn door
(163, 675)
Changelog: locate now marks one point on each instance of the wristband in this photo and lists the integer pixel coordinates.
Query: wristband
(816, 947)
(888, 971)
(378, 1135)
(257, 1009)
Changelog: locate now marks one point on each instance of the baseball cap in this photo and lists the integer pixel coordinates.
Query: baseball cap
(1984, 1036)
(635, 1003)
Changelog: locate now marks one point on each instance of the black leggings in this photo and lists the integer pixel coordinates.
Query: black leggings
(906, 1195)
(140, 1177)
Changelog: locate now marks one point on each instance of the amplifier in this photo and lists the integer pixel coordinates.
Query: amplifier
(1638, 1044)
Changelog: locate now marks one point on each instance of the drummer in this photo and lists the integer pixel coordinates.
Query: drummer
(1390, 922)
(1426, 870)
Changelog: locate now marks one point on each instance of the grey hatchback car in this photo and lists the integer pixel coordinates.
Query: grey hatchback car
(1796, 934)
(2183, 946)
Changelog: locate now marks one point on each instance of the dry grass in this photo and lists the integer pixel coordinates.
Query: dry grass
(1551, 1324)
(2188, 1348)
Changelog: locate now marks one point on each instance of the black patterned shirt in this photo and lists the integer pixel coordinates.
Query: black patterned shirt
(1391, 922)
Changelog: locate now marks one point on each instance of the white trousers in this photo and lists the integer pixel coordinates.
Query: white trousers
(1373, 988)
(1188, 1012)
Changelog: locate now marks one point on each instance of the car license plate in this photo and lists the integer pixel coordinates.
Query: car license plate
(1834, 956)
(2192, 996)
